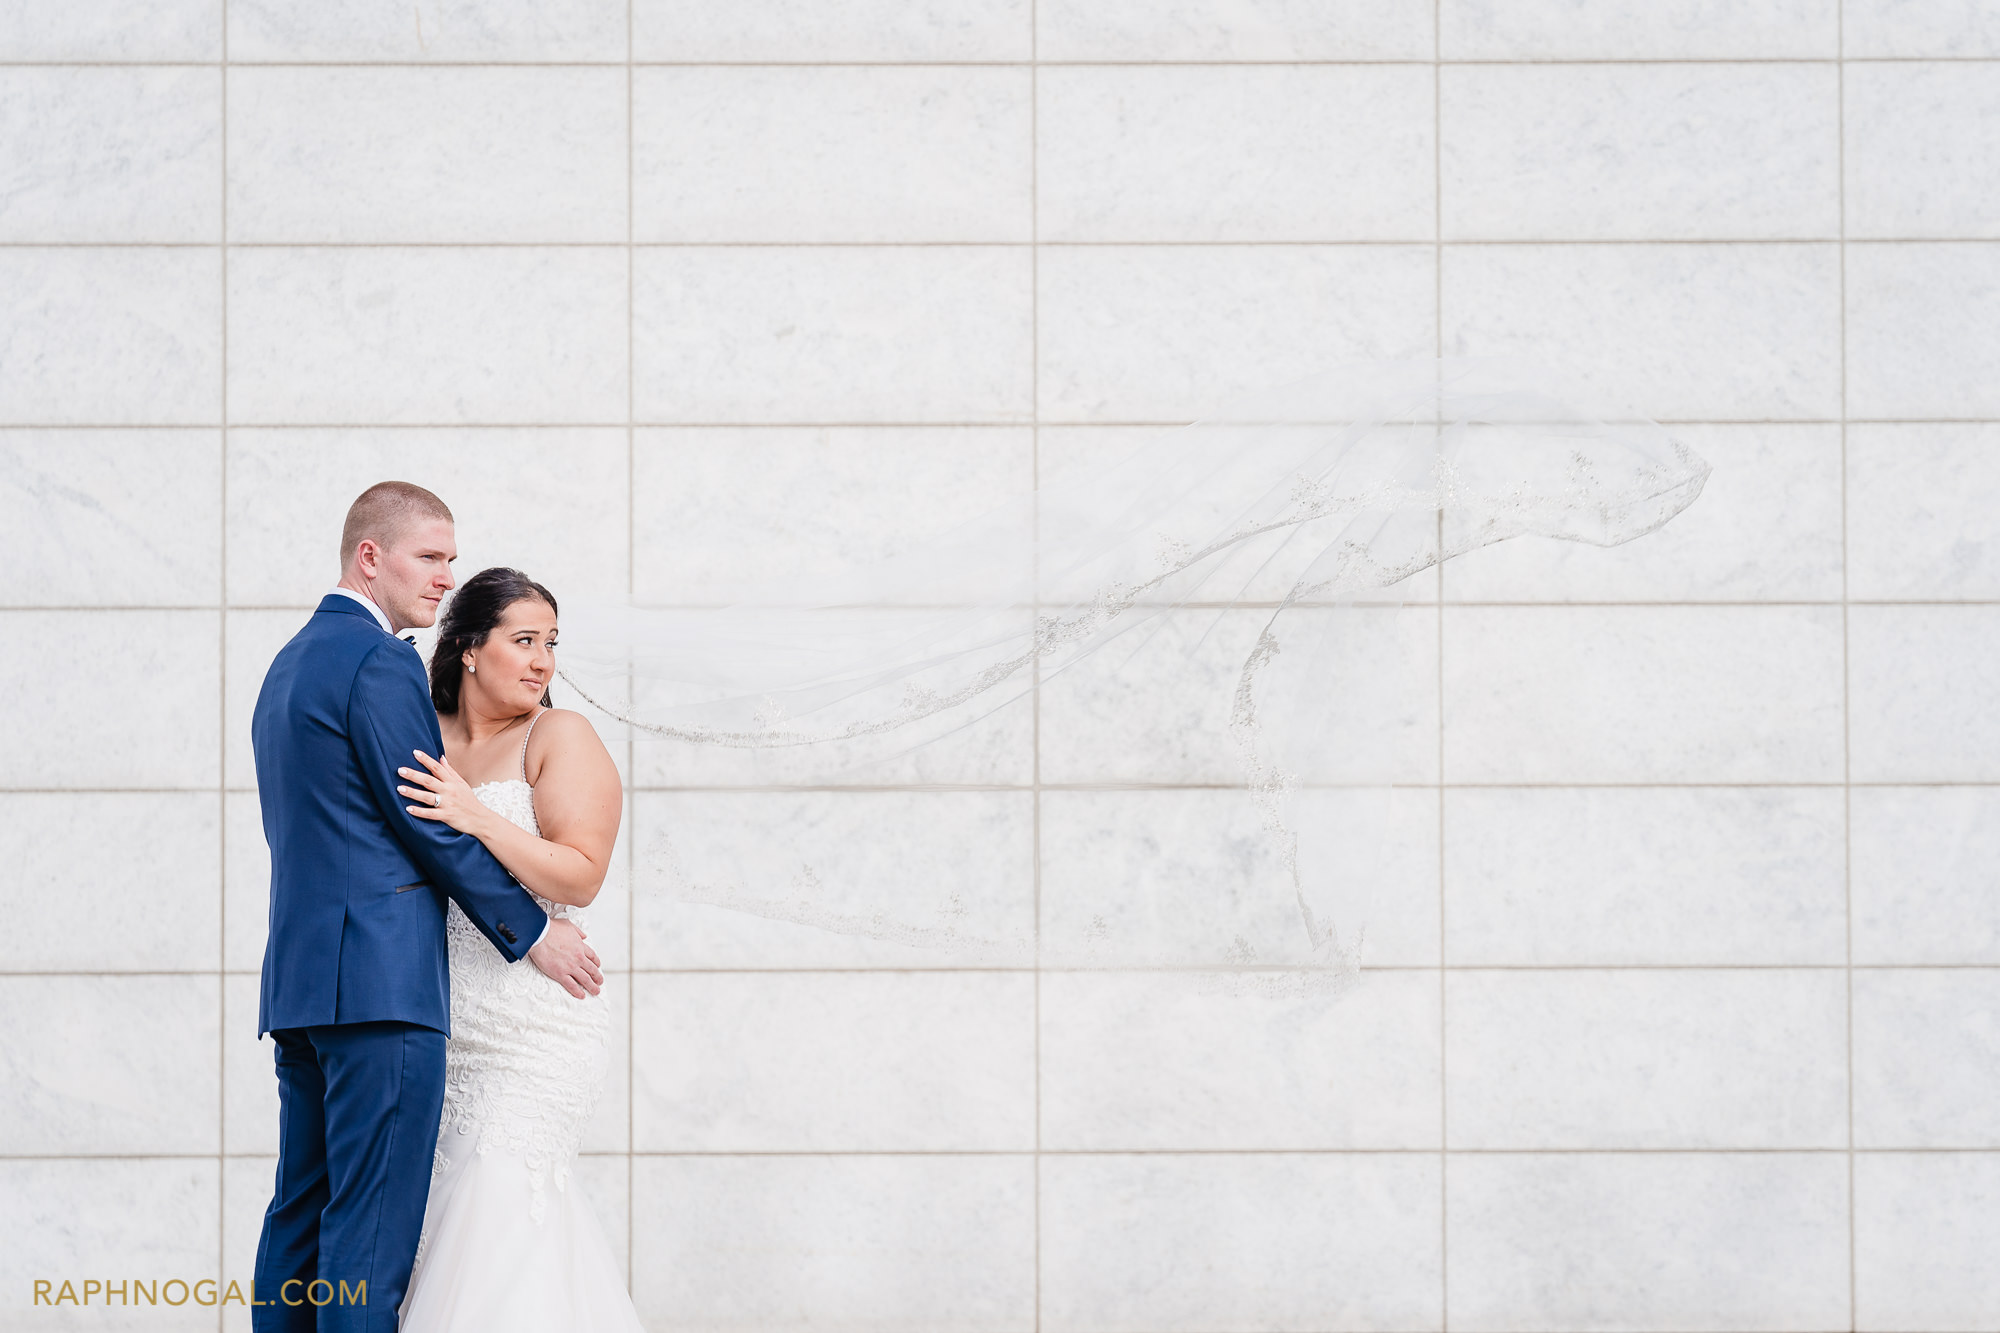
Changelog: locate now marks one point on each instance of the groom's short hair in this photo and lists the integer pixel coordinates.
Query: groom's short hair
(384, 512)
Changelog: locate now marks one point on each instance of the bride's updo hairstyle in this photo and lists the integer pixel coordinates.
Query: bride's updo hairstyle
(474, 612)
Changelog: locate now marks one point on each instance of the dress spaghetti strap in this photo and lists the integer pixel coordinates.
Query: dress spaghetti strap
(524, 744)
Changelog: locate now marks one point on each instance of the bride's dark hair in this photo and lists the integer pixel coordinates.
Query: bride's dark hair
(473, 613)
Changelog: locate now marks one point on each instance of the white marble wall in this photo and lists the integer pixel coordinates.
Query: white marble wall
(1697, 1025)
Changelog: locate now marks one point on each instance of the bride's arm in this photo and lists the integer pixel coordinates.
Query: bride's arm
(578, 802)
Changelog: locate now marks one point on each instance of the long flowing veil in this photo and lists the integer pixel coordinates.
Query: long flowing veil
(1234, 587)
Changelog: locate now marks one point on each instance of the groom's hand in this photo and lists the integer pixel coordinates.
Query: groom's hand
(563, 957)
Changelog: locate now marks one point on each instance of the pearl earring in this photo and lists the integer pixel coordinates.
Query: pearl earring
(473, 669)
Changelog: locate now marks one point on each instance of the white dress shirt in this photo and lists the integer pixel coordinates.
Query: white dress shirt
(383, 620)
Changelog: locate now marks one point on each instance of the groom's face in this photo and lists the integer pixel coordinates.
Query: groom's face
(414, 574)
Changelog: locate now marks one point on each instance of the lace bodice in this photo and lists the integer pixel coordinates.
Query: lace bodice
(514, 800)
(526, 1060)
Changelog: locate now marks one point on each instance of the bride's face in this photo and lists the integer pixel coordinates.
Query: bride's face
(508, 673)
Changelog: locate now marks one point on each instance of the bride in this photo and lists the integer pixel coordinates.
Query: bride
(526, 1061)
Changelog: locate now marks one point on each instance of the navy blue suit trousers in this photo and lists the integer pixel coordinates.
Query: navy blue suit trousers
(357, 1124)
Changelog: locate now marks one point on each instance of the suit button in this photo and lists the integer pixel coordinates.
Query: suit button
(507, 934)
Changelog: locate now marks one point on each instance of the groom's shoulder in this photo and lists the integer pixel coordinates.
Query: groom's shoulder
(331, 643)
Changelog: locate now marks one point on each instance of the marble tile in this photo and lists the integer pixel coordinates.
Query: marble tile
(249, 1072)
(254, 640)
(1919, 318)
(250, 1104)
(109, 735)
(247, 1185)
(833, 335)
(1766, 528)
(1261, 30)
(112, 517)
(1069, 460)
(102, 154)
(1642, 694)
(1962, 28)
(826, 1061)
(832, 879)
(1926, 1058)
(1159, 710)
(112, 30)
(1675, 332)
(1089, 478)
(504, 153)
(1639, 30)
(838, 153)
(607, 922)
(1640, 152)
(1923, 150)
(842, 1241)
(1923, 875)
(1234, 153)
(1922, 1226)
(1197, 878)
(436, 31)
(1160, 1062)
(550, 501)
(1921, 679)
(105, 881)
(72, 1218)
(994, 749)
(610, 1127)
(246, 883)
(719, 513)
(605, 1184)
(427, 336)
(1921, 506)
(247, 891)
(710, 532)
(1678, 1058)
(109, 1065)
(1169, 333)
(110, 336)
(1573, 876)
(1240, 1240)
(1647, 1241)
(801, 32)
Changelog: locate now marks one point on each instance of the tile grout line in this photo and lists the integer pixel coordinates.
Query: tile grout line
(1006, 424)
(222, 695)
(1035, 682)
(1247, 604)
(1437, 317)
(1283, 1150)
(631, 681)
(1128, 969)
(1411, 62)
(1846, 687)
(1128, 788)
(1123, 243)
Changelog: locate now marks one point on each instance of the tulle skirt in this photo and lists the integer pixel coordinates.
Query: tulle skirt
(490, 1266)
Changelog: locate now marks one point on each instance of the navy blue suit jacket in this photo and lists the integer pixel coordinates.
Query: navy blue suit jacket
(358, 884)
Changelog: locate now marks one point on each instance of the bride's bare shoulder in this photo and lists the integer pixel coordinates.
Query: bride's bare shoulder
(563, 733)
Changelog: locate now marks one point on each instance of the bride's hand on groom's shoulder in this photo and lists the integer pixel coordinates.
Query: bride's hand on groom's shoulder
(442, 795)
(564, 958)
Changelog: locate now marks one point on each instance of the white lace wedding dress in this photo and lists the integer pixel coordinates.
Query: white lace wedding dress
(508, 1241)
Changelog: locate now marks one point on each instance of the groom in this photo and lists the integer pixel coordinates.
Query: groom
(356, 992)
